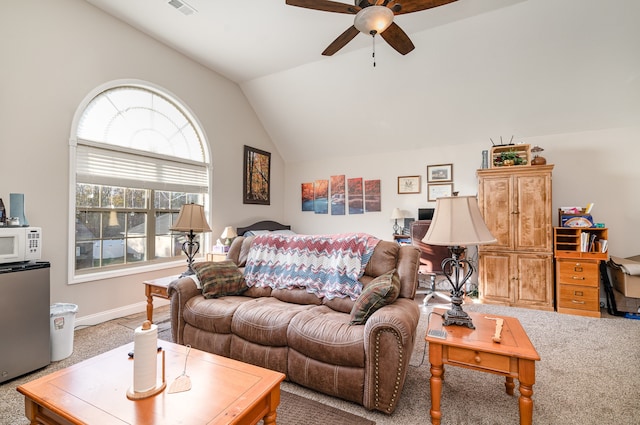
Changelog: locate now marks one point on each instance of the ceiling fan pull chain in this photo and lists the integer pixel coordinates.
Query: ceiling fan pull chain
(373, 36)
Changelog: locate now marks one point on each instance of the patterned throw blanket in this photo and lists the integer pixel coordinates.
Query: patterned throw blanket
(326, 265)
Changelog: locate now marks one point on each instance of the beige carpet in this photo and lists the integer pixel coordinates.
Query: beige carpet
(588, 374)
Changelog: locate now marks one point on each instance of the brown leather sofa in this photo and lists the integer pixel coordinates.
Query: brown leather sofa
(309, 338)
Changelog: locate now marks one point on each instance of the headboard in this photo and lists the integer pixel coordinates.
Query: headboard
(263, 225)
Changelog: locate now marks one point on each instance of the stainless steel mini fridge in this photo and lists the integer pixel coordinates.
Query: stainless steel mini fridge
(24, 318)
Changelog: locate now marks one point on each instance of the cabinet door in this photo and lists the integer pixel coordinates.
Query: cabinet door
(495, 277)
(496, 205)
(533, 275)
(532, 212)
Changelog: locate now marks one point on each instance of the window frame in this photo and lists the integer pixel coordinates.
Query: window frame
(80, 276)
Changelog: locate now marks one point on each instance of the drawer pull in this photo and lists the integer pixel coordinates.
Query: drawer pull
(477, 358)
(577, 277)
(577, 302)
(577, 268)
(578, 293)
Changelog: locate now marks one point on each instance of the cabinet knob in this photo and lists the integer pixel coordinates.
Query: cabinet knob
(577, 277)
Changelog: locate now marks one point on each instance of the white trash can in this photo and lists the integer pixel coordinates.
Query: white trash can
(62, 322)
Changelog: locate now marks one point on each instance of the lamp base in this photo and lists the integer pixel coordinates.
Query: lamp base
(188, 272)
(457, 317)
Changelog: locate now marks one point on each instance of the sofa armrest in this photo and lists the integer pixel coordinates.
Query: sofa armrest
(389, 338)
(180, 291)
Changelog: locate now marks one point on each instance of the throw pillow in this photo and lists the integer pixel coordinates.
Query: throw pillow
(220, 278)
(381, 291)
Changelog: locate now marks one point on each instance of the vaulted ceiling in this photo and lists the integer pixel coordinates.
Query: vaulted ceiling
(480, 69)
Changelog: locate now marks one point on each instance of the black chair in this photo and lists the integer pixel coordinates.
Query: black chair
(431, 257)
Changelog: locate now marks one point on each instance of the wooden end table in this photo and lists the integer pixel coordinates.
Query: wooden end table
(223, 391)
(513, 357)
(156, 288)
(159, 287)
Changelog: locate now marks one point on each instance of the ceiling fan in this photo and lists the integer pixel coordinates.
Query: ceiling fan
(372, 17)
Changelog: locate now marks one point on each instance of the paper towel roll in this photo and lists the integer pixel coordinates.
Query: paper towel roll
(145, 357)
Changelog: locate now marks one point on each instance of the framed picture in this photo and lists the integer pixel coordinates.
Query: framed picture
(256, 187)
(439, 173)
(408, 184)
(439, 191)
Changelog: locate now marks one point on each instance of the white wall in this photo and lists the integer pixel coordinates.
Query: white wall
(53, 54)
(598, 166)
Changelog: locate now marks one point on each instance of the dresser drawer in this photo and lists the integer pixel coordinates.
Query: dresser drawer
(581, 273)
(474, 358)
(579, 297)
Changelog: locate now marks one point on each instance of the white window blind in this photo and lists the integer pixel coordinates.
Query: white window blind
(101, 165)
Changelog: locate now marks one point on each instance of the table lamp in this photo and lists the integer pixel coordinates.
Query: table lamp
(457, 223)
(191, 219)
(228, 234)
(395, 215)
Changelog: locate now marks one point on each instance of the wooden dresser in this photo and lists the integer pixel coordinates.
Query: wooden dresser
(517, 270)
(578, 270)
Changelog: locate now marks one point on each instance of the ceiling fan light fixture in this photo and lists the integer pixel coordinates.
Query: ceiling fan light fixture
(373, 19)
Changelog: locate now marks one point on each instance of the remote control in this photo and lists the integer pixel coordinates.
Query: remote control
(435, 333)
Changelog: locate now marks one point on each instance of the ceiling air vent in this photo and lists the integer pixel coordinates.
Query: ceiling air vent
(182, 7)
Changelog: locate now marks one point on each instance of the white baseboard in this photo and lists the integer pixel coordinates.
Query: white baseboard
(116, 313)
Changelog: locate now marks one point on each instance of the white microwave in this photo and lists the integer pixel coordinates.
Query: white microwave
(20, 244)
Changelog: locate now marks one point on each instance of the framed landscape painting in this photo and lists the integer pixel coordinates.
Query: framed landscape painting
(356, 195)
(321, 196)
(257, 174)
(337, 195)
(307, 196)
(372, 195)
(441, 173)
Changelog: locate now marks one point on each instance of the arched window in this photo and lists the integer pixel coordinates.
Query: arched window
(137, 155)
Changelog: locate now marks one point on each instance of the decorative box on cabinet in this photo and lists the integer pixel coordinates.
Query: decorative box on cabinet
(578, 271)
(517, 270)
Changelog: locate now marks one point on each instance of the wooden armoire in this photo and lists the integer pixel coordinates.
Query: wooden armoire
(517, 270)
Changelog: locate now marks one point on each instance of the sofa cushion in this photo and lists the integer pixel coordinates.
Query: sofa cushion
(324, 334)
(265, 320)
(212, 316)
(244, 250)
(220, 278)
(381, 291)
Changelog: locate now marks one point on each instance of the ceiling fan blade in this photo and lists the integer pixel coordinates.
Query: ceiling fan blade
(409, 6)
(325, 6)
(341, 41)
(398, 39)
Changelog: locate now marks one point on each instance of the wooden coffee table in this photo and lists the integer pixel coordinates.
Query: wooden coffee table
(513, 357)
(224, 391)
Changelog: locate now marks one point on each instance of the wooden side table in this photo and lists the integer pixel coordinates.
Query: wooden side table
(210, 256)
(513, 357)
(156, 288)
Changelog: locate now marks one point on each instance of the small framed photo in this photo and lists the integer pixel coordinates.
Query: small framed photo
(408, 184)
(439, 191)
(439, 173)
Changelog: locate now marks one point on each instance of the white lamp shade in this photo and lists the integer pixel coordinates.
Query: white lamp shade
(373, 18)
(228, 233)
(396, 214)
(191, 218)
(457, 222)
